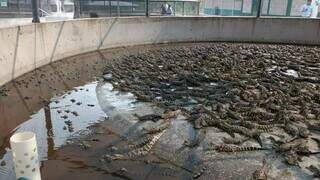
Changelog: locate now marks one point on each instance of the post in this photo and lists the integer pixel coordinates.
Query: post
(182, 8)
(110, 8)
(268, 11)
(35, 14)
(289, 7)
(147, 8)
(18, 4)
(131, 7)
(104, 6)
(76, 10)
(118, 8)
(259, 9)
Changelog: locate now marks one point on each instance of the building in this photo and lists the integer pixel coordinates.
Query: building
(22, 8)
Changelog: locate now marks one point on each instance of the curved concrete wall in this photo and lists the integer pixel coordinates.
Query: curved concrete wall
(24, 48)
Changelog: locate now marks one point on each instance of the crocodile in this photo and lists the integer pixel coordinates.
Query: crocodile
(141, 151)
(149, 117)
(261, 172)
(199, 173)
(236, 141)
(234, 148)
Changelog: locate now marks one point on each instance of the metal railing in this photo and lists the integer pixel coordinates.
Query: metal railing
(282, 8)
(44, 12)
(102, 8)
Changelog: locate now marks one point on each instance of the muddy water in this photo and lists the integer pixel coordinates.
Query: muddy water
(79, 119)
(58, 102)
(57, 121)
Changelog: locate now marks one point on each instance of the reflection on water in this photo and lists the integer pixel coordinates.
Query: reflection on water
(57, 121)
(114, 102)
(45, 101)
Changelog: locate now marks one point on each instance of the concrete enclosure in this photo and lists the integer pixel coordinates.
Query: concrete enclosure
(24, 48)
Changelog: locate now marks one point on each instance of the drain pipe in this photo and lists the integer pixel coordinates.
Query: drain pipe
(25, 156)
(35, 13)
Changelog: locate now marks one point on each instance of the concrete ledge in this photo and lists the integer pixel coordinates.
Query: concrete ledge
(24, 48)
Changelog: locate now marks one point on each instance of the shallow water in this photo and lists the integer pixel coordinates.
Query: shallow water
(57, 102)
(66, 117)
(51, 129)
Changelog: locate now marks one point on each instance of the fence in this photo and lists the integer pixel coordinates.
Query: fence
(249, 7)
(102, 8)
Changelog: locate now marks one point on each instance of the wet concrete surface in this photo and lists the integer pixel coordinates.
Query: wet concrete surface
(218, 78)
(79, 119)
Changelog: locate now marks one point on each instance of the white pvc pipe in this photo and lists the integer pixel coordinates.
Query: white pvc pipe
(25, 156)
